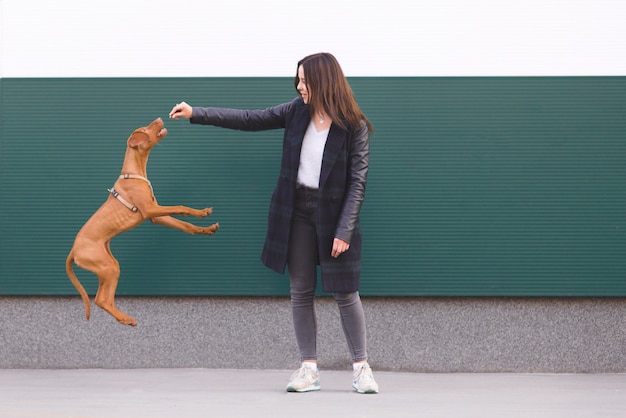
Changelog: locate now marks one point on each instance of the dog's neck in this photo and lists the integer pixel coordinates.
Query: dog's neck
(135, 163)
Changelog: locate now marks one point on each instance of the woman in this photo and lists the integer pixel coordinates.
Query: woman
(314, 211)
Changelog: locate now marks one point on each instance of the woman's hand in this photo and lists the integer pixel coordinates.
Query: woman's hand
(339, 247)
(181, 110)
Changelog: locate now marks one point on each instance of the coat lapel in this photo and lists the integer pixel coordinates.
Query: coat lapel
(334, 144)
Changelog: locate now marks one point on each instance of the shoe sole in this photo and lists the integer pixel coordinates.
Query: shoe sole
(309, 389)
(365, 392)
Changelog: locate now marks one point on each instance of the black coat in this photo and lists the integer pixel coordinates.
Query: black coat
(341, 189)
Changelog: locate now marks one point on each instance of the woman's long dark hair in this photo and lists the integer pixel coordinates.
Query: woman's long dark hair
(330, 92)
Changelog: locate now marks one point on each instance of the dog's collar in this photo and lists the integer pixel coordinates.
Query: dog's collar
(124, 201)
(138, 177)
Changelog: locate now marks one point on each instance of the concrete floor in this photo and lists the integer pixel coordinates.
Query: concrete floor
(190, 393)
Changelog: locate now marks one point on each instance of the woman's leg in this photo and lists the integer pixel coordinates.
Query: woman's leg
(353, 323)
(302, 266)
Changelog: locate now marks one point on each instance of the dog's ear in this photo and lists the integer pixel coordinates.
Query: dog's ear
(137, 138)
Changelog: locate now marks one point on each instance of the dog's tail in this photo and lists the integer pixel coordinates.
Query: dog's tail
(76, 283)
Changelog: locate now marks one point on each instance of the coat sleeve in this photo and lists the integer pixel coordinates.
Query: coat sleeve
(242, 120)
(357, 180)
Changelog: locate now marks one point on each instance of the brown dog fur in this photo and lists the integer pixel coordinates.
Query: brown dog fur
(91, 250)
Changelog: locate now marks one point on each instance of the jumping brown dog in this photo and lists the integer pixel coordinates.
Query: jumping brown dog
(131, 201)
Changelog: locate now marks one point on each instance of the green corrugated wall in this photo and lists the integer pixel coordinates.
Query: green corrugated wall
(511, 186)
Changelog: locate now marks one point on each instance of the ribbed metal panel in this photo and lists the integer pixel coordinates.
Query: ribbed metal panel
(498, 186)
(478, 186)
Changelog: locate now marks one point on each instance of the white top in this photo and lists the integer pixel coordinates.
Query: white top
(311, 156)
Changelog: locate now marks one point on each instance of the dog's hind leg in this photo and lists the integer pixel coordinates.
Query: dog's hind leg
(105, 297)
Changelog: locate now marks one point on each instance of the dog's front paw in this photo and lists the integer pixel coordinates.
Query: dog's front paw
(205, 212)
(210, 230)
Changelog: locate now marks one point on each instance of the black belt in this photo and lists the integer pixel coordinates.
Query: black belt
(303, 188)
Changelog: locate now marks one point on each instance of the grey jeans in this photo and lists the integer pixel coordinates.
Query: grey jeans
(302, 265)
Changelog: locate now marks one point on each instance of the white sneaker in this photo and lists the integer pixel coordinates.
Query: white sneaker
(305, 379)
(364, 380)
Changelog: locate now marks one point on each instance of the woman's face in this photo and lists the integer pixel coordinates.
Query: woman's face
(304, 92)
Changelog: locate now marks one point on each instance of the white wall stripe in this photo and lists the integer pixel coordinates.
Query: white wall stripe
(157, 38)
